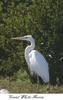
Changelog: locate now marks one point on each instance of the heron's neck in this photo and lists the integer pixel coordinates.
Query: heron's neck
(28, 50)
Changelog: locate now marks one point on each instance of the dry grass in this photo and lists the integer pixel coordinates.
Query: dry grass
(21, 87)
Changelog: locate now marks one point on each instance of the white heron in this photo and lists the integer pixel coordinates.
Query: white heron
(35, 60)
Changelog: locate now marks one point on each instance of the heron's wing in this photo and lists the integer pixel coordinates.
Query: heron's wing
(39, 65)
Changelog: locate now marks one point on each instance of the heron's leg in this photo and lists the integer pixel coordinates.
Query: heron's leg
(37, 79)
(48, 87)
(49, 84)
(37, 83)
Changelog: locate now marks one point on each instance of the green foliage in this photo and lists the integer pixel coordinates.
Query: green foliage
(22, 77)
(21, 17)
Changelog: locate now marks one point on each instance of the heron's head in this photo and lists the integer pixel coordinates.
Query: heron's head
(27, 38)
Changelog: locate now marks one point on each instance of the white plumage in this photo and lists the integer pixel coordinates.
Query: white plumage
(38, 65)
(35, 60)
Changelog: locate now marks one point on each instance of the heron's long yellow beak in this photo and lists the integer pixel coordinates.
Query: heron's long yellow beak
(18, 38)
